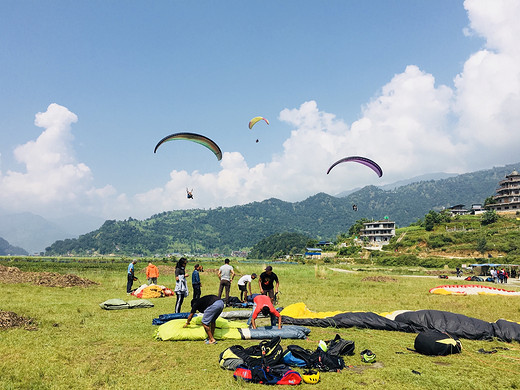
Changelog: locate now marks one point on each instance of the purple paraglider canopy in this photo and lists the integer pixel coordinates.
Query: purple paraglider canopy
(362, 160)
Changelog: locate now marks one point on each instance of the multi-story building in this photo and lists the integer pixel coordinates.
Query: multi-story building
(507, 197)
(378, 232)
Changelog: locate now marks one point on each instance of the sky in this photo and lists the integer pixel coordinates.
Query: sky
(87, 89)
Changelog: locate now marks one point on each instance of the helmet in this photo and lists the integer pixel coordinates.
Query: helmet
(367, 356)
(322, 345)
(311, 377)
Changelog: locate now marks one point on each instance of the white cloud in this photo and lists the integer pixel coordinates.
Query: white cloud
(411, 127)
(53, 182)
(488, 89)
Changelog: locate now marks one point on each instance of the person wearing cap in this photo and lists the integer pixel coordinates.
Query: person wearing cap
(243, 282)
(130, 276)
(269, 283)
(262, 304)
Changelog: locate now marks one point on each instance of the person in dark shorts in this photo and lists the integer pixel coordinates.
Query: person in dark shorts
(269, 283)
(211, 306)
(243, 282)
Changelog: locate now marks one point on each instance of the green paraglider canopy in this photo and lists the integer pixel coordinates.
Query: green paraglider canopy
(200, 139)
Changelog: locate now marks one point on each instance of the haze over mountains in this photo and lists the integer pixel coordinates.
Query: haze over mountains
(403, 201)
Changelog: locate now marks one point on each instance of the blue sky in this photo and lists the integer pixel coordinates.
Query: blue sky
(410, 84)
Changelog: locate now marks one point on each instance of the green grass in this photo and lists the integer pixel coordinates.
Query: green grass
(80, 346)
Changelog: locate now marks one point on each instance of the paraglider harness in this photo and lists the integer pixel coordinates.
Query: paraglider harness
(262, 363)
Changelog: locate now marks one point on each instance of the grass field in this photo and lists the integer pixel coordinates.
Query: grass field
(77, 345)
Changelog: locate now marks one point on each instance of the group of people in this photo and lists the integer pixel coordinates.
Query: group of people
(212, 305)
(152, 273)
(499, 276)
(268, 282)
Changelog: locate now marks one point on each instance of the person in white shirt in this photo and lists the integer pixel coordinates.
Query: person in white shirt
(243, 283)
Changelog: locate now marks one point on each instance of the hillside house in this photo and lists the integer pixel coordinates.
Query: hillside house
(458, 209)
(378, 232)
(313, 253)
(507, 196)
(477, 209)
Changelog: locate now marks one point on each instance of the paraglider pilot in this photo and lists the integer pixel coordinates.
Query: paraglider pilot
(189, 194)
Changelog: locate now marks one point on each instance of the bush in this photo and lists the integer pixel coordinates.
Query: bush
(349, 250)
(438, 241)
(489, 217)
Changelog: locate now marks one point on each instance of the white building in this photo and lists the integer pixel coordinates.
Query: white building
(378, 232)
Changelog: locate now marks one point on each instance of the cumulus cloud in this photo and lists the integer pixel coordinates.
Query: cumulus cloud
(488, 90)
(53, 180)
(411, 126)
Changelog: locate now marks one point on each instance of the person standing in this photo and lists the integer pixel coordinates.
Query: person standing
(195, 282)
(152, 273)
(130, 276)
(210, 306)
(269, 283)
(181, 284)
(226, 275)
(243, 283)
(262, 304)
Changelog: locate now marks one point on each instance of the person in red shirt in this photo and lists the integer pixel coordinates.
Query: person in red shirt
(262, 304)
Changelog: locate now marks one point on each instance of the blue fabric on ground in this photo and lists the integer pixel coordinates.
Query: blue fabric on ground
(168, 317)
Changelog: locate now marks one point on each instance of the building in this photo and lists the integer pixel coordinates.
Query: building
(477, 209)
(378, 232)
(458, 209)
(507, 197)
(313, 253)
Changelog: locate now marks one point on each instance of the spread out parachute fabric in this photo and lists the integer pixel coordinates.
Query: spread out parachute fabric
(472, 289)
(200, 139)
(256, 119)
(362, 160)
(456, 325)
(174, 330)
(118, 304)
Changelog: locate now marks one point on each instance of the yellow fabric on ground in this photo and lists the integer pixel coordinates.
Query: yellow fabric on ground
(299, 310)
(152, 291)
(174, 330)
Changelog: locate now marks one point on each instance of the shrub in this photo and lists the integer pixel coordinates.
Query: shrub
(349, 250)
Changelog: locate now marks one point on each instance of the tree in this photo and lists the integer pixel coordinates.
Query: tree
(357, 227)
(489, 217)
(489, 200)
(431, 219)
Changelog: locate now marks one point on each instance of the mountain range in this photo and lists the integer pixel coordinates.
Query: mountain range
(222, 230)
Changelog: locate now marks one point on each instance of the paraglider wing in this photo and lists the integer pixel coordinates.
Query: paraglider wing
(200, 139)
(362, 160)
(256, 119)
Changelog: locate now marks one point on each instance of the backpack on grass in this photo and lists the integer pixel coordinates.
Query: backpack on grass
(276, 375)
(318, 359)
(340, 347)
(266, 353)
(436, 343)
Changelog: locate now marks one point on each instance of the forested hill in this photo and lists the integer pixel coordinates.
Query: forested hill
(321, 216)
(7, 249)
